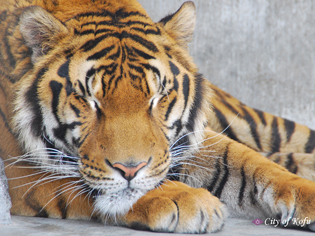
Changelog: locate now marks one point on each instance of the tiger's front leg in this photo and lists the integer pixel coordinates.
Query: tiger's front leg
(176, 207)
(250, 185)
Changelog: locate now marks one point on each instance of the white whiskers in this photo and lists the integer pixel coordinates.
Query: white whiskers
(59, 166)
(184, 155)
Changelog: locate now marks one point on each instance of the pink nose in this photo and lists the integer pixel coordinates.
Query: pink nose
(129, 172)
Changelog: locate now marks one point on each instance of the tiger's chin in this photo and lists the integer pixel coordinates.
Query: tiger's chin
(117, 203)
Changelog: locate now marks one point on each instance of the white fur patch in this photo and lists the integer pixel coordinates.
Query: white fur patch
(117, 203)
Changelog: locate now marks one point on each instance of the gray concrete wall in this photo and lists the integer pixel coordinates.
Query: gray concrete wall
(262, 51)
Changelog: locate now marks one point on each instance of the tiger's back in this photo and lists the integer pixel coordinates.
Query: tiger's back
(287, 143)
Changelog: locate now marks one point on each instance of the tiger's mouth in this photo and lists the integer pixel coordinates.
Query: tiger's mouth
(117, 201)
(117, 196)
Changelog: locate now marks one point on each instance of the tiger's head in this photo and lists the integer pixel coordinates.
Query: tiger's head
(111, 97)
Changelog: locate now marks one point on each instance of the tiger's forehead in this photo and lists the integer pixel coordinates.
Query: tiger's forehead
(113, 22)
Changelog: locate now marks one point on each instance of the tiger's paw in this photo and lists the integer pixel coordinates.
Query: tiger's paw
(176, 207)
(295, 202)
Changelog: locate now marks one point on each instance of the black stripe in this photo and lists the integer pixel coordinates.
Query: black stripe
(174, 68)
(63, 72)
(111, 79)
(242, 189)
(89, 45)
(123, 55)
(60, 131)
(170, 107)
(198, 98)
(175, 86)
(154, 69)
(98, 111)
(3, 16)
(32, 202)
(145, 43)
(134, 22)
(89, 76)
(289, 127)
(290, 164)
(32, 98)
(110, 69)
(275, 136)
(129, 51)
(100, 54)
(224, 124)
(115, 55)
(75, 109)
(253, 193)
(81, 87)
(73, 125)
(89, 23)
(4, 118)
(253, 127)
(62, 206)
(104, 84)
(56, 90)
(138, 69)
(222, 99)
(215, 177)
(147, 87)
(128, 24)
(172, 221)
(261, 116)
(82, 139)
(120, 14)
(134, 77)
(9, 56)
(225, 177)
(92, 31)
(179, 126)
(84, 32)
(310, 145)
(142, 54)
(164, 82)
(165, 135)
(100, 31)
(186, 87)
(167, 48)
(147, 31)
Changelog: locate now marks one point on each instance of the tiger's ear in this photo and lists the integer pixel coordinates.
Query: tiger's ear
(40, 30)
(181, 24)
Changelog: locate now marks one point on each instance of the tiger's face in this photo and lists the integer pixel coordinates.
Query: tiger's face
(108, 99)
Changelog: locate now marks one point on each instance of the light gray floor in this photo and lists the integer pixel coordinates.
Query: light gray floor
(33, 226)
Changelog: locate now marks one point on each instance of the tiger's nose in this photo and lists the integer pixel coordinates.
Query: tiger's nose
(129, 171)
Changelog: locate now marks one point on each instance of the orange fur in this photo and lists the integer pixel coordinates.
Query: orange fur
(103, 112)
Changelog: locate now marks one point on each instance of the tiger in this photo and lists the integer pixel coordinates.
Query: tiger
(104, 116)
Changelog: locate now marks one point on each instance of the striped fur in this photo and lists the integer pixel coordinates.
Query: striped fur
(104, 116)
